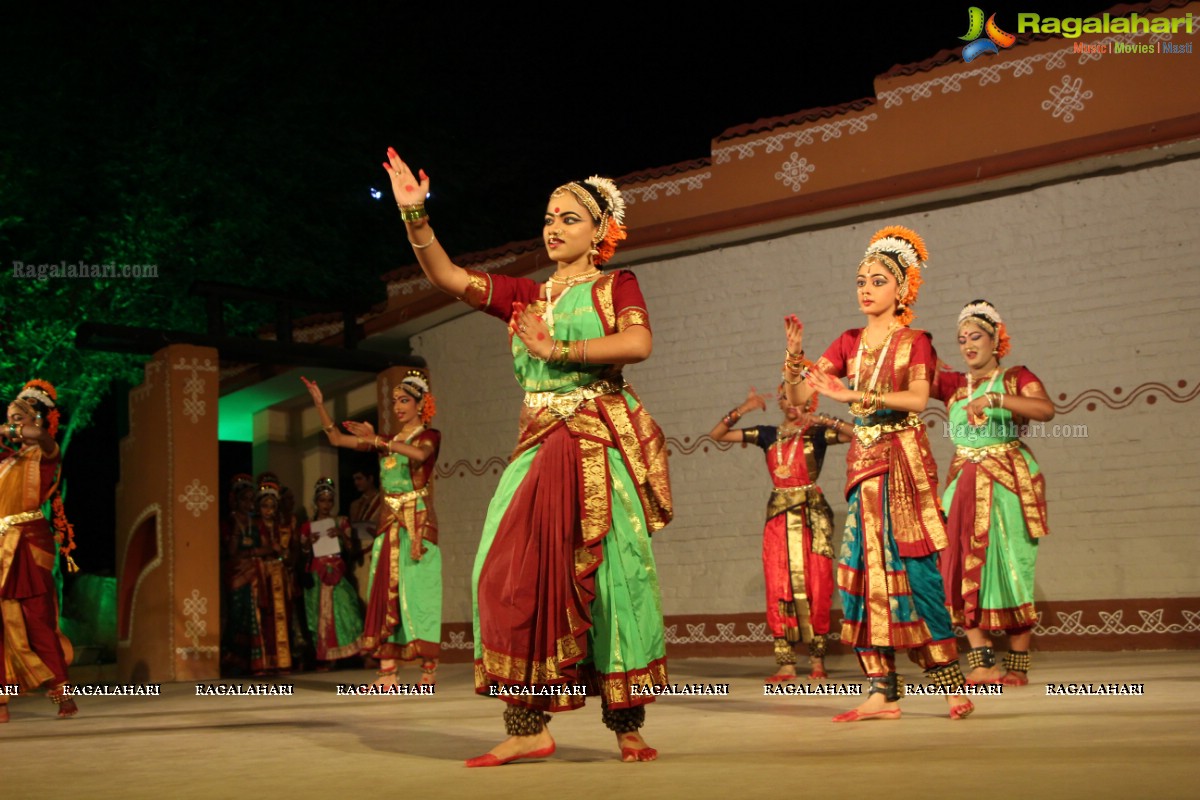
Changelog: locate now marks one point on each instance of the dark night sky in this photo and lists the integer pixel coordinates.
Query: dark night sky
(499, 105)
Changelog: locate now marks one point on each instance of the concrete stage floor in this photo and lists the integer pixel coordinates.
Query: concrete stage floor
(315, 744)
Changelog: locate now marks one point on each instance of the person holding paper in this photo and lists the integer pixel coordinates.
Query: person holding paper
(330, 603)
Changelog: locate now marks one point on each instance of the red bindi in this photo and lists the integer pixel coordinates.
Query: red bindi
(556, 209)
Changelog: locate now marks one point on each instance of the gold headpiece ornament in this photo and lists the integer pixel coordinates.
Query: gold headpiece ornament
(610, 220)
(42, 392)
(415, 384)
(902, 252)
(984, 314)
(324, 486)
(268, 488)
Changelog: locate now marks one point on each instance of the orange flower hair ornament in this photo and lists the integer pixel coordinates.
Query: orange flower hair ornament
(903, 253)
(44, 393)
(609, 218)
(428, 409)
(984, 315)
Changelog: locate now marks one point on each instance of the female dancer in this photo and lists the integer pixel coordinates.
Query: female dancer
(565, 583)
(33, 651)
(798, 535)
(258, 589)
(404, 598)
(996, 496)
(888, 575)
(330, 604)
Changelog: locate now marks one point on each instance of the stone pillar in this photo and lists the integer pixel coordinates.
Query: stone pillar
(168, 551)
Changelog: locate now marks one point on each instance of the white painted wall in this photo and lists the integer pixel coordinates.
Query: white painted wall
(1099, 280)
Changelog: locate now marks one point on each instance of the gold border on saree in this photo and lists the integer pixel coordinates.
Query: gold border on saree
(17, 519)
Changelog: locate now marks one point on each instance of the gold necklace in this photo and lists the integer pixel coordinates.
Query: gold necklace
(566, 283)
(571, 280)
(783, 465)
(989, 382)
(876, 358)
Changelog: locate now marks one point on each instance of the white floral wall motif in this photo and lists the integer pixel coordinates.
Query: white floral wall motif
(1066, 98)
(796, 138)
(195, 607)
(194, 405)
(196, 497)
(794, 172)
(643, 193)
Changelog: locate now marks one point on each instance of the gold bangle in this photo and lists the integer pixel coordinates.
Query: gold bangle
(584, 359)
(413, 212)
(328, 429)
(783, 377)
(432, 239)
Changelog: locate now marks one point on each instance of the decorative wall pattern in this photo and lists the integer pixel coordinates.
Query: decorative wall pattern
(794, 138)
(1015, 67)
(1090, 399)
(644, 194)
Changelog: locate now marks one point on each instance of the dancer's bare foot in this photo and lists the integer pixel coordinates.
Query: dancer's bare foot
(540, 745)
(785, 674)
(1015, 677)
(387, 674)
(960, 706)
(66, 705)
(428, 673)
(876, 706)
(985, 675)
(818, 668)
(634, 747)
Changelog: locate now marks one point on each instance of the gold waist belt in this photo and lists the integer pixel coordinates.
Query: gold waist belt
(564, 404)
(793, 489)
(978, 454)
(395, 501)
(17, 519)
(868, 435)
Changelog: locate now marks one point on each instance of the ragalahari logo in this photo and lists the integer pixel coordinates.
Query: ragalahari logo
(976, 27)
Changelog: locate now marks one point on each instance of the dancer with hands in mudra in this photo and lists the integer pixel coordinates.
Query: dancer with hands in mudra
(565, 588)
(797, 543)
(403, 621)
(892, 594)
